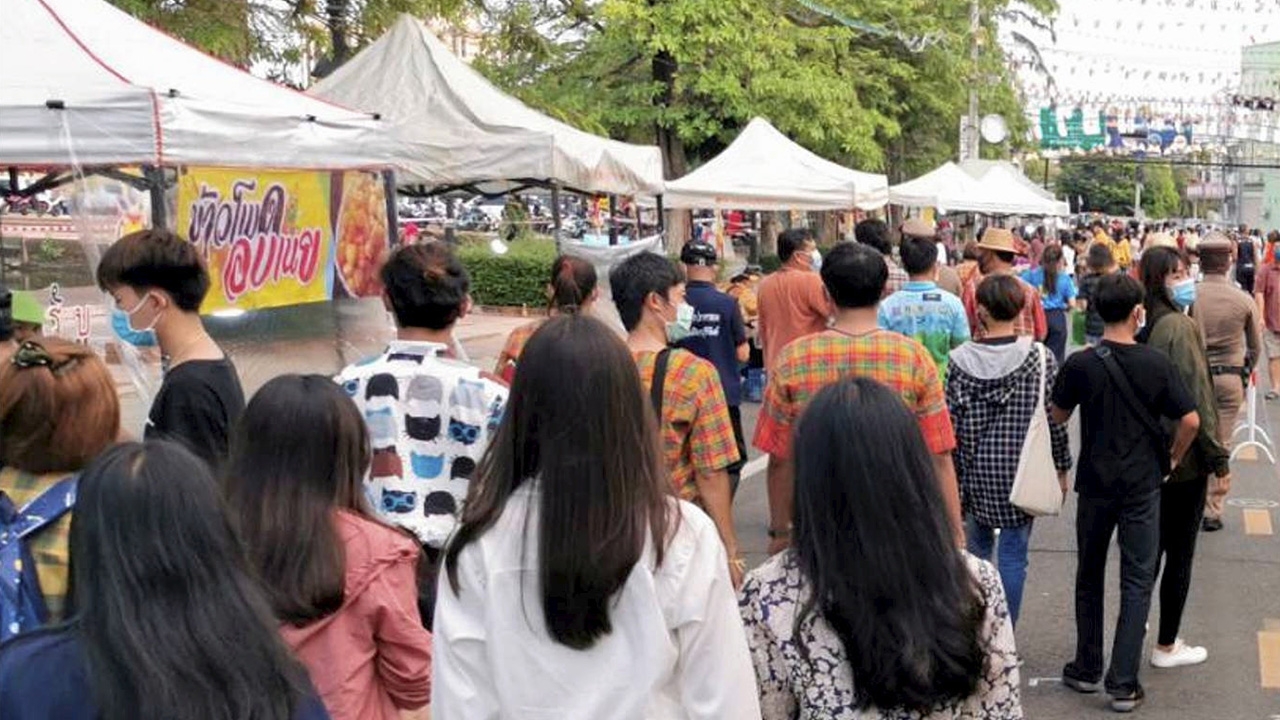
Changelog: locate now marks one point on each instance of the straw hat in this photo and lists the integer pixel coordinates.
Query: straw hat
(1160, 239)
(918, 227)
(1216, 242)
(999, 240)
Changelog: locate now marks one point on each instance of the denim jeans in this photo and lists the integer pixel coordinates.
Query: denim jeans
(1011, 561)
(1137, 516)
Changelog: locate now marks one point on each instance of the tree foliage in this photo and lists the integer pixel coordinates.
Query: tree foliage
(1109, 187)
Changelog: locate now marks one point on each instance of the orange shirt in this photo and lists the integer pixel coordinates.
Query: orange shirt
(793, 304)
(510, 355)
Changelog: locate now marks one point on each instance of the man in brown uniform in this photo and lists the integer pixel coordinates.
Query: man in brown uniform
(1229, 321)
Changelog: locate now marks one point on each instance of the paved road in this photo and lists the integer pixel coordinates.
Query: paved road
(1235, 595)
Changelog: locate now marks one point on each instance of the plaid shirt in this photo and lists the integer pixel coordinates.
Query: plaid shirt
(50, 546)
(510, 355)
(811, 363)
(897, 277)
(1030, 322)
(697, 436)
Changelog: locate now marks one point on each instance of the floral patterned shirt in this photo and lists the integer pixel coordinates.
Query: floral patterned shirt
(820, 685)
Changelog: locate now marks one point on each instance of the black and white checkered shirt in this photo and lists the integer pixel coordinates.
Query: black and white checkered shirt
(991, 417)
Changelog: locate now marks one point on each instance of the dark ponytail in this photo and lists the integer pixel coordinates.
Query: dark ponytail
(1051, 262)
(573, 279)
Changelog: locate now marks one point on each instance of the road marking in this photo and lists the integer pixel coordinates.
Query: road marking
(755, 467)
(1252, 503)
(1248, 452)
(1257, 521)
(1033, 682)
(1269, 658)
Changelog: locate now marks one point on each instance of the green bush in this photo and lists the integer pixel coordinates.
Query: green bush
(517, 278)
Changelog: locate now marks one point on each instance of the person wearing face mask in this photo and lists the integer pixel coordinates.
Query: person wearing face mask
(1170, 293)
(158, 282)
(996, 253)
(685, 390)
(791, 302)
(1122, 389)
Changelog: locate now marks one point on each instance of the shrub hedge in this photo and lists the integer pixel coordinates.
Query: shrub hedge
(517, 278)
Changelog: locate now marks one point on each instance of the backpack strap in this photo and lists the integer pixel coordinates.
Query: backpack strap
(659, 381)
(1121, 383)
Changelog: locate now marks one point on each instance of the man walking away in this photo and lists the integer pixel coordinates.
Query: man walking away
(997, 252)
(921, 310)
(1267, 294)
(791, 301)
(719, 336)
(697, 435)
(1121, 388)
(1229, 321)
(430, 416)
(1100, 264)
(1247, 260)
(875, 233)
(855, 346)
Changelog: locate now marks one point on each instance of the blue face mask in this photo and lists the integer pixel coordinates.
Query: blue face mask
(1184, 293)
(120, 323)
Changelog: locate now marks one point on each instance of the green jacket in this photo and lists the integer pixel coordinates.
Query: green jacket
(1179, 337)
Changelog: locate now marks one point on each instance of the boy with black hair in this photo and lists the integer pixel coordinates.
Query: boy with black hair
(158, 282)
(854, 276)
(1122, 388)
(874, 233)
(430, 416)
(790, 301)
(921, 310)
(697, 433)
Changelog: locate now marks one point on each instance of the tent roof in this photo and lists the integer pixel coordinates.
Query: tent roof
(990, 189)
(131, 94)
(765, 170)
(981, 169)
(456, 128)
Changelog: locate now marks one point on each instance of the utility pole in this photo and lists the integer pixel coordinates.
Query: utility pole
(970, 144)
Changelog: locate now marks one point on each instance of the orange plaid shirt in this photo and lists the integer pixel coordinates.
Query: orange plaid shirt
(510, 355)
(811, 363)
(697, 436)
(1031, 322)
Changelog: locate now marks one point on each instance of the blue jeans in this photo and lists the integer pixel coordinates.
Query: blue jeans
(1012, 558)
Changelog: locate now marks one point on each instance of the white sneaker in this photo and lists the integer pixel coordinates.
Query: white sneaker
(1181, 654)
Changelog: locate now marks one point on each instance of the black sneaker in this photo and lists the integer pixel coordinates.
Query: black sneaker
(1128, 702)
(1080, 686)
(1211, 524)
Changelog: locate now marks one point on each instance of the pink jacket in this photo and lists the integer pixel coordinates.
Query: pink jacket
(372, 657)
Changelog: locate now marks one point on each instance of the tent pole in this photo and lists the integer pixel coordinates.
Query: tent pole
(13, 180)
(159, 206)
(555, 213)
(450, 236)
(613, 219)
(392, 198)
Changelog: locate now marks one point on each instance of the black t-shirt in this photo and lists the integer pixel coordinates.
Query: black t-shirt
(198, 403)
(1118, 456)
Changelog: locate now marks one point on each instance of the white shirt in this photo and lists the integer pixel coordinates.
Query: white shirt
(677, 650)
(1069, 259)
(430, 419)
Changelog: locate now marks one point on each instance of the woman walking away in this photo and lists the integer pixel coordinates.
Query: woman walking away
(1170, 291)
(341, 583)
(166, 619)
(58, 410)
(572, 290)
(995, 386)
(873, 613)
(577, 587)
(1058, 292)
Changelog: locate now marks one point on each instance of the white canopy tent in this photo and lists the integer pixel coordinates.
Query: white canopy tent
(456, 129)
(952, 188)
(765, 170)
(88, 84)
(1006, 170)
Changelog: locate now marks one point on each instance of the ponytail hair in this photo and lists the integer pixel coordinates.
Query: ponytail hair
(1051, 263)
(573, 280)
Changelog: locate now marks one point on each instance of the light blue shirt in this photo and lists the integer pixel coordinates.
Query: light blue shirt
(934, 317)
(1063, 294)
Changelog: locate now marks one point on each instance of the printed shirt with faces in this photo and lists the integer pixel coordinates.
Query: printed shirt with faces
(430, 419)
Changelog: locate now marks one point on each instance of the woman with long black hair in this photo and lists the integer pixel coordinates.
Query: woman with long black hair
(577, 587)
(1058, 292)
(873, 612)
(1170, 292)
(166, 620)
(572, 289)
(342, 584)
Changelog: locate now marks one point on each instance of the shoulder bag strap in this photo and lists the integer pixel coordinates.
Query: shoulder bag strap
(659, 381)
(1121, 381)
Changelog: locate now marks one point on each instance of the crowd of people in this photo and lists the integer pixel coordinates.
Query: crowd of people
(555, 539)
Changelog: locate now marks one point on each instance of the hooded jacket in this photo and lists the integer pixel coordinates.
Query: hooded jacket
(371, 658)
(992, 393)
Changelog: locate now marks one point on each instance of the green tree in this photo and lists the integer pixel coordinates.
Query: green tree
(1108, 186)
(223, 28)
